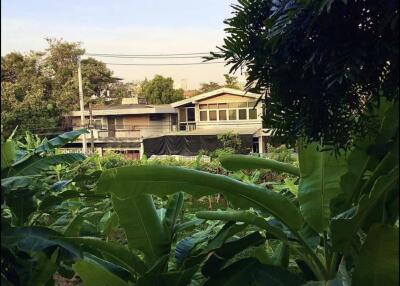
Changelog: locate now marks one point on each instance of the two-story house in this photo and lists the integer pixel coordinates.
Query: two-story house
(181, 128)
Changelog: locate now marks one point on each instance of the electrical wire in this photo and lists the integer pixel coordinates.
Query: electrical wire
(145, 55)
(169, 64)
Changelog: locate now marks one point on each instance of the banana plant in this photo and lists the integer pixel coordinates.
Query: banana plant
(343, 201)
(148, 257)
(350, 202)
(25, 196)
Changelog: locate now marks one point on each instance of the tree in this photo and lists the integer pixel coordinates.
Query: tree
(231, 82)
(96, 78)
(160, 90)
(322, 63)
(209, 86)
(39, 88)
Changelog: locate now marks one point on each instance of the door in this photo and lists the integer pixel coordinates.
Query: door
(111, 126)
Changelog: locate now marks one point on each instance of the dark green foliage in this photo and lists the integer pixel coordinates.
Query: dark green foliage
(160, 90)
(321, 63)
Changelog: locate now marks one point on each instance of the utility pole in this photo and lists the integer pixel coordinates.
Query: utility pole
(91, 128)
(82, 106)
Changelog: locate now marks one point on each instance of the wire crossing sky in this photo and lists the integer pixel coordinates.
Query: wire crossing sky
(139, 38)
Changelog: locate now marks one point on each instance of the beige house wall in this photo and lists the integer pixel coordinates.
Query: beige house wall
(226, 98)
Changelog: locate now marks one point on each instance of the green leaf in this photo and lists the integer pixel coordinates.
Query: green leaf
(46, 267)
(250, 272)
(22, 204)
(128, 182)
(320, 174)
(59, 141)
(17, 182)
(8, 154)
(345, 226)
(220, 256)
(31, 239)
(378, 261)
(74, 226)
(143, 228)
(240, 162)
(93, 274)
(243, 216)
(34, 166)
(174, 208)
(115, 252)
(108, 222)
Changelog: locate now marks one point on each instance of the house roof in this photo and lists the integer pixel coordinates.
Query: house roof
(127, 109)
(213, 93)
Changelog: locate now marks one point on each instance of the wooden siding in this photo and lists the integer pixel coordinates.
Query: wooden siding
(226, 98)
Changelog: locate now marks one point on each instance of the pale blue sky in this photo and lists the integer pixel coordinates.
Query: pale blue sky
(122, 26)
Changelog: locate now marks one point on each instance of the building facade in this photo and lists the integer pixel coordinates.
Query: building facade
(133, 128)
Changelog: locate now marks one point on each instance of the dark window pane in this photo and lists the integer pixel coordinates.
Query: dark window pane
(232, 114)
(203, 115)
(252, 113)
(119, 123)
(190, 114)
(212, 115)
(242, 114)
(182, 115)
(222, 114)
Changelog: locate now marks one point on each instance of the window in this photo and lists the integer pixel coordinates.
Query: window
(213, 106)
(232, 114)
(222, 105)
(119, 123)
(97, 123)
(242, 104)
(222, 114)
(203, 115)
(203, 106)
(242, 114)
(212, 115)
(190, 114)
(156, 117)
(252, 113)
(252, 104)
(182, 115)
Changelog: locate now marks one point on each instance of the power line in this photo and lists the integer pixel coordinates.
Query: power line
(169, 64)
(147, 55)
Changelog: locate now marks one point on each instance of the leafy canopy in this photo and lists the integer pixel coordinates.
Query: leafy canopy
(322, 63)
(160, 90)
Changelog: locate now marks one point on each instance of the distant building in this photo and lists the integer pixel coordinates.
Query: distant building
(181, 128)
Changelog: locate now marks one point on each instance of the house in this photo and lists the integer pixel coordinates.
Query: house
(181, 128)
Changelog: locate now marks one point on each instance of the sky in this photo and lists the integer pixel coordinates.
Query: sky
(124, 27)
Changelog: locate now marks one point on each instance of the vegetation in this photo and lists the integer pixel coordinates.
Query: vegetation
(51, 77)
(321, 74)
(311, 217)
(160, 90)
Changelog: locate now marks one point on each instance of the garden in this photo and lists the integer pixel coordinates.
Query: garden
(320, 211)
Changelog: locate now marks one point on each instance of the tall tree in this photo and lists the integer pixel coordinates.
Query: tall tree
(160, 90)
(209, 86)
(38, 88)
(231, 81)
(322, 62)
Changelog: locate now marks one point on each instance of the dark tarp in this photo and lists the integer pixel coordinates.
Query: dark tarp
(190, 145)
